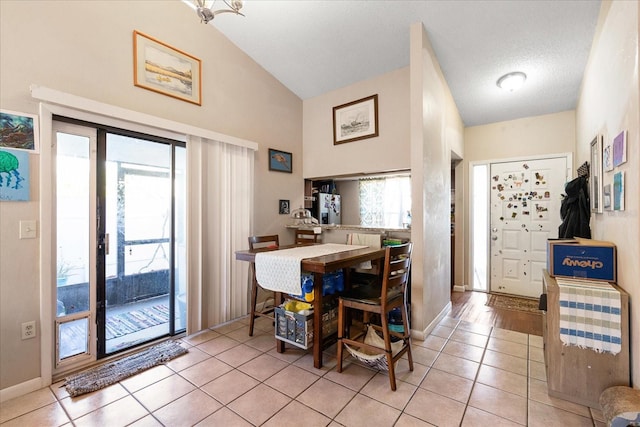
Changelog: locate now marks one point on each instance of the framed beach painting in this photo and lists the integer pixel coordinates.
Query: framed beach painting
(19, 131)
(355, 120)
(164, 69)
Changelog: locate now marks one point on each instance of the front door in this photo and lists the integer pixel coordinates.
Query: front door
(525, 212)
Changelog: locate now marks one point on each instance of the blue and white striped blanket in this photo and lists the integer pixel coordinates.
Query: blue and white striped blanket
(590, 315)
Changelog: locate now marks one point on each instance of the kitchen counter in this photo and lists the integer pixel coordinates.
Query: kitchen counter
(340, 233)
(359, 228)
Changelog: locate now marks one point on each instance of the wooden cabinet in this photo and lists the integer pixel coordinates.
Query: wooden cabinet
(581, 374)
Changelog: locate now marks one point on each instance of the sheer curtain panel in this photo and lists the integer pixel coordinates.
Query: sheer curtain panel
(219, 203)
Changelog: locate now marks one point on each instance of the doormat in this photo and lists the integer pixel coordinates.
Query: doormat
(112, 372)
(136, 320)
(513, 303)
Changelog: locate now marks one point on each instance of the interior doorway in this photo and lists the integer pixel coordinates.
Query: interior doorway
(457, 257)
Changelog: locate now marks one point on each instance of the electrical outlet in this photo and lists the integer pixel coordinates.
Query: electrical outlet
(29, 330)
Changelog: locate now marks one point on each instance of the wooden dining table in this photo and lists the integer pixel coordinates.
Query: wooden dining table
(319, 266)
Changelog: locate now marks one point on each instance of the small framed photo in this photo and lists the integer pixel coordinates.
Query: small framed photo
(355, 120)
(606, 197)
(164, 69)
(595, 176)
(284, 207)
(607, 156)
(620, 149)
(19, 131)
(618, 191)
(280, 161)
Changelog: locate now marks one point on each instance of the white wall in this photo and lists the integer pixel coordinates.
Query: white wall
(388, 151)
(436, 131)
(530, 136)
(609, 103)
(85, 48)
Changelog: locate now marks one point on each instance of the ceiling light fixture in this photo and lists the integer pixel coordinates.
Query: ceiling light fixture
(207, 14)
(512, 81)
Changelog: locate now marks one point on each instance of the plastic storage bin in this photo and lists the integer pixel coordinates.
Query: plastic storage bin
(294, 328)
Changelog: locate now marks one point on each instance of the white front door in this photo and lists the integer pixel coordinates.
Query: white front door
(525, 212)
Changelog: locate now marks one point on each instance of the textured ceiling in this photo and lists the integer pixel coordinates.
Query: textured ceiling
(314, 47)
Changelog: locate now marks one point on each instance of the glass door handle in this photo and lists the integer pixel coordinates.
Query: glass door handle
(103, 244)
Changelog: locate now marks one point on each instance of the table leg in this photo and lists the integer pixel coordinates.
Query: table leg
(317, 320)
(279, 296)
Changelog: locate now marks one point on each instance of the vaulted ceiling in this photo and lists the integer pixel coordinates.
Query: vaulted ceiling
(316, 46)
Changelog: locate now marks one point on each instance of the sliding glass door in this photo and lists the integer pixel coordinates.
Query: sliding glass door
(120, 239)
(138, 241)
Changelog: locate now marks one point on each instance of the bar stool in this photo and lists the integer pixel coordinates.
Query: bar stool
(256, 242)
(380, 299)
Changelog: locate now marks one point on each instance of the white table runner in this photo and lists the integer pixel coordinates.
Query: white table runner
(280, 270)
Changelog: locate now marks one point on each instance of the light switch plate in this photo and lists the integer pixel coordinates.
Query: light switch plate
(28, 229)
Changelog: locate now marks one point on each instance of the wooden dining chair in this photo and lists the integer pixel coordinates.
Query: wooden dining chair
(380, 299)
(304, 236)
(256, 242)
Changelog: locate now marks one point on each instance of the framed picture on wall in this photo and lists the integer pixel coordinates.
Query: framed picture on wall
(620, 149)
(19, 131)
(606, 197)
(283, 208)
(164, 69)
(355, 120)
(280, 161)
(595, 176)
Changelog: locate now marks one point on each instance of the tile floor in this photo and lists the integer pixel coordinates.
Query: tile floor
(464, 374)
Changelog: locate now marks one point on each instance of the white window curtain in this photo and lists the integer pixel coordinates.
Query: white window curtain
(385, 202)
(219, 200)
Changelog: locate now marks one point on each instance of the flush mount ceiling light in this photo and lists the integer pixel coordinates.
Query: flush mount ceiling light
(512, 81)
(207, 14)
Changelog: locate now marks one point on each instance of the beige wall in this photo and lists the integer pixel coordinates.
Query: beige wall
(436, 131)
(388, 151)
(85, 48)
(531, 136)
(609, 103)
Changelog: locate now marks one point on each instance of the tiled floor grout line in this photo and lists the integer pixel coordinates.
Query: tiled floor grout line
(475, 379)
(530, 350)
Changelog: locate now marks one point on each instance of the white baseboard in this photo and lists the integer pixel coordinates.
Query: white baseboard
(459, 288)
(421, 335)
(20, 389)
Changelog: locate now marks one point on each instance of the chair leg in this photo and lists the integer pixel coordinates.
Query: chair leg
(407, 335)
(254, 297)
(388, 351)
(341, 328)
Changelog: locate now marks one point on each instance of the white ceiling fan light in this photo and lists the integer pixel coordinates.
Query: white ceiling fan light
(512, 81)
(207, 14)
